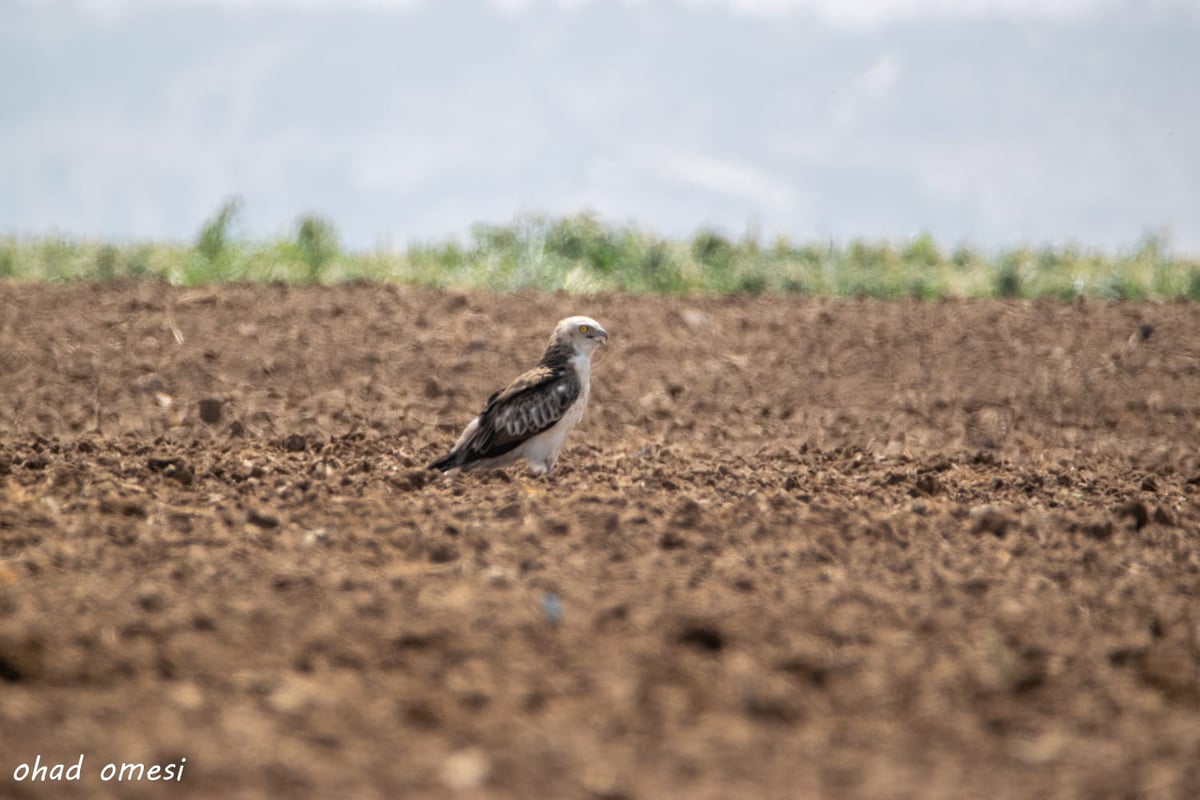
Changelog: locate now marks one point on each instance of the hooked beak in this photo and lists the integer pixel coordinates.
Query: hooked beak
(599, 336)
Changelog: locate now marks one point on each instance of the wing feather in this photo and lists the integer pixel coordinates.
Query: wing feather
(531, 404)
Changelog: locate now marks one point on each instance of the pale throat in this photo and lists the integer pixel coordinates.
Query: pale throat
(582, 362)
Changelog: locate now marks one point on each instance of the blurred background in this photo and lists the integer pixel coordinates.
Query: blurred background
(992, 122)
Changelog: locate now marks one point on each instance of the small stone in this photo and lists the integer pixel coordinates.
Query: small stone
(186, 695)
(466, 769)
(695, 319)
(315, 536)
(552, 608)
(497, 576)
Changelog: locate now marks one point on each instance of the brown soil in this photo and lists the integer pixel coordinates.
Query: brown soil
(797, 548)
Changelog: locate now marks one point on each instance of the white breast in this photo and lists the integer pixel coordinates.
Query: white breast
(542, 450)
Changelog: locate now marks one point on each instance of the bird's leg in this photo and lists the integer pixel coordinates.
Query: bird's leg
(541, 474)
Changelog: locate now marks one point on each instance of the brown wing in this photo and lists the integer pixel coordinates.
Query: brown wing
(532, 403)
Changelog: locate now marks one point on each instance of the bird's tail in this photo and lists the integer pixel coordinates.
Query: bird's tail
(444, 463)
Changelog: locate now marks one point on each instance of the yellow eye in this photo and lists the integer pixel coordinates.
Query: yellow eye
(583, 328)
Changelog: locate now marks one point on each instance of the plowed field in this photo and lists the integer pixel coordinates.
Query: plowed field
(797, 548)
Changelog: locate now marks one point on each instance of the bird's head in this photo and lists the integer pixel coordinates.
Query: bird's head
(581, 334)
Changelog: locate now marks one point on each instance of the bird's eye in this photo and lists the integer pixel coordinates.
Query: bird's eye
(583, 328)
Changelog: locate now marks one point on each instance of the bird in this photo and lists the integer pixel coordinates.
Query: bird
(531, 417)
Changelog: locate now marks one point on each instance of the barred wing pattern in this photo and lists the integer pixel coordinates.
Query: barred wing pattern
(533, 403)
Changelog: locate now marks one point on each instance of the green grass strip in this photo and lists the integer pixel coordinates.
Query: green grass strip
(580, 254)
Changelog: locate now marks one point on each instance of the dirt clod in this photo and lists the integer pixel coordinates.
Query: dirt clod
(443, 553)
(21, 658)
(210, 410)
(1136, 511)
(990, 520)
(295, 443)
(261, 519)
(840, 549)
(701, 636)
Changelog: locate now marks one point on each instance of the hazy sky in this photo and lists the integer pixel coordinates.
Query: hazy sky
(988, 121)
